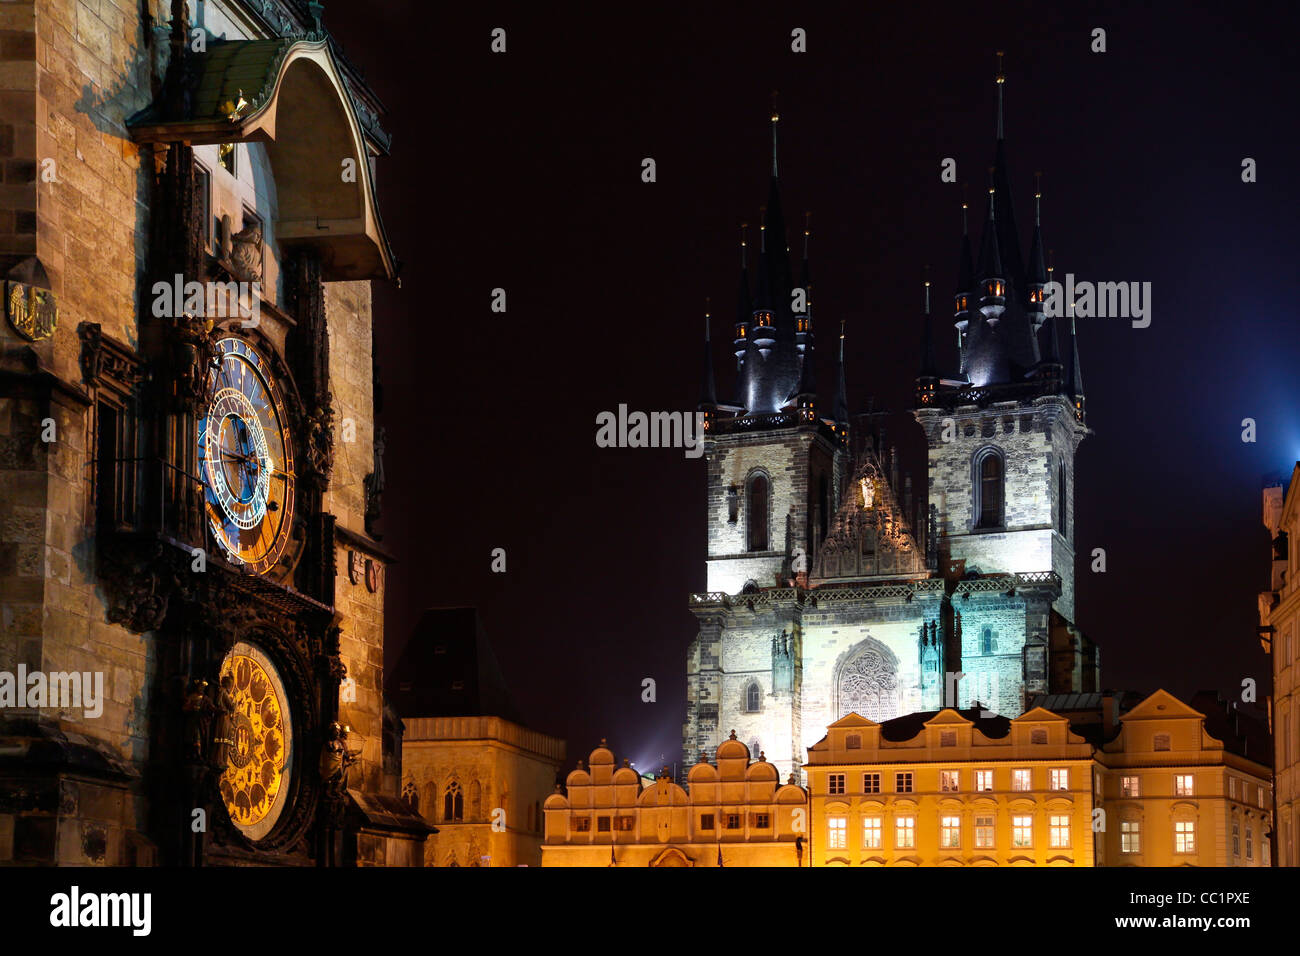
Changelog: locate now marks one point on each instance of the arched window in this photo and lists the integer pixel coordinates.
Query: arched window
(988, 489)
(411, 796)
(756, 508)
(453, 804)
(988, 641)
(752, 697)
(1062, 498)
(824, 507)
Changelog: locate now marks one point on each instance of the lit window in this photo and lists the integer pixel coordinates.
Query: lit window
(1130, 836)
(1265, 853)
(706, 821)
(1184, 836)
(835, 783)
(1022, 831)
(950, 833)
(871, 837)
(871, 783)
(903, 782)
(1129, 787)
(837, 833)
(1259, 794)
(1161, 742)
(625, 824)
(1183, 785)
(1058, 830)
(948, 781)
(1020, 779)
(1060, 778)
(905, 832)
(983, 780)
(984, 832)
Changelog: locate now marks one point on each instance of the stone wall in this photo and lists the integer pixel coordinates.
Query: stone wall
(497, 765)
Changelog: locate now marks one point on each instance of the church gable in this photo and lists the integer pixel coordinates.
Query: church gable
(870, 536)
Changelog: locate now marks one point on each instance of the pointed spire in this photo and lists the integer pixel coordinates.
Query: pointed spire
(1053, 356)
(776, 118)
(991, 276)
(965, 270)
(1001, 81)
(929, 369)
(841, 393)
(709, 395)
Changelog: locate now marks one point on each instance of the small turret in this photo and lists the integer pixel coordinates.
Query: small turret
(744, 304)
(992, 278)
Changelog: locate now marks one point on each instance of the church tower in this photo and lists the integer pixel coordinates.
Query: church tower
(1002, 437)
(775, 467)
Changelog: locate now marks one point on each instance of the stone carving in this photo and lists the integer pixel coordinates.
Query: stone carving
(197, 709)
(223, 730)
(246, 252)
(868, 687)
(320, 441)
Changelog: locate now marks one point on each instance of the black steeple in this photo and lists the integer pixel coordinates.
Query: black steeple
(804, 326)
(928, 379)
(991, 276)
(771, 373)
(1036, 279)
(1074, 381)
(709, 395)
(744, 305)
(1008, 236)
(841, 393)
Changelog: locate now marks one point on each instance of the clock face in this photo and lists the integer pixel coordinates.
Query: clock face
(246, 459)
(254, 785)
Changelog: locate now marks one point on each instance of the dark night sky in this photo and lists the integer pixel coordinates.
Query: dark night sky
(522, 171)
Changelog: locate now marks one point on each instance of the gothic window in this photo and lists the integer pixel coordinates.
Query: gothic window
(988, 641)
(756, 511)
(989, 488)
(476, 800)
(1061, 510)
(411, 796)
(733, 504)
(453, 803)
(868, 686)
(752, 697)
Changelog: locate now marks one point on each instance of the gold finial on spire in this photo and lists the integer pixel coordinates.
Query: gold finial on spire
(1001, 79)
(1038, 197)
(807, 231)
(775, 119)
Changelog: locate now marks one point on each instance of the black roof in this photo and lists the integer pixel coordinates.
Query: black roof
(448, 670)
(905, 728)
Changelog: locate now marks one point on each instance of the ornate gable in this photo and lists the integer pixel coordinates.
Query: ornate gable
(870, 536)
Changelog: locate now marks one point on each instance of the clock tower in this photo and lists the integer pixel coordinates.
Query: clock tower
(209, 481)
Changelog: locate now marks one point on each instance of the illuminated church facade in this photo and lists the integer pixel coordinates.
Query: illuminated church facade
(830, 588)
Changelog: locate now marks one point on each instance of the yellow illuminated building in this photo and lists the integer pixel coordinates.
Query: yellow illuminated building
(1279, 618)
(732, 813)
(952, 789)
(1180, 789)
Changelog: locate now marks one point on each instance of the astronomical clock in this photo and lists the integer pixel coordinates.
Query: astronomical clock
(246, 456)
